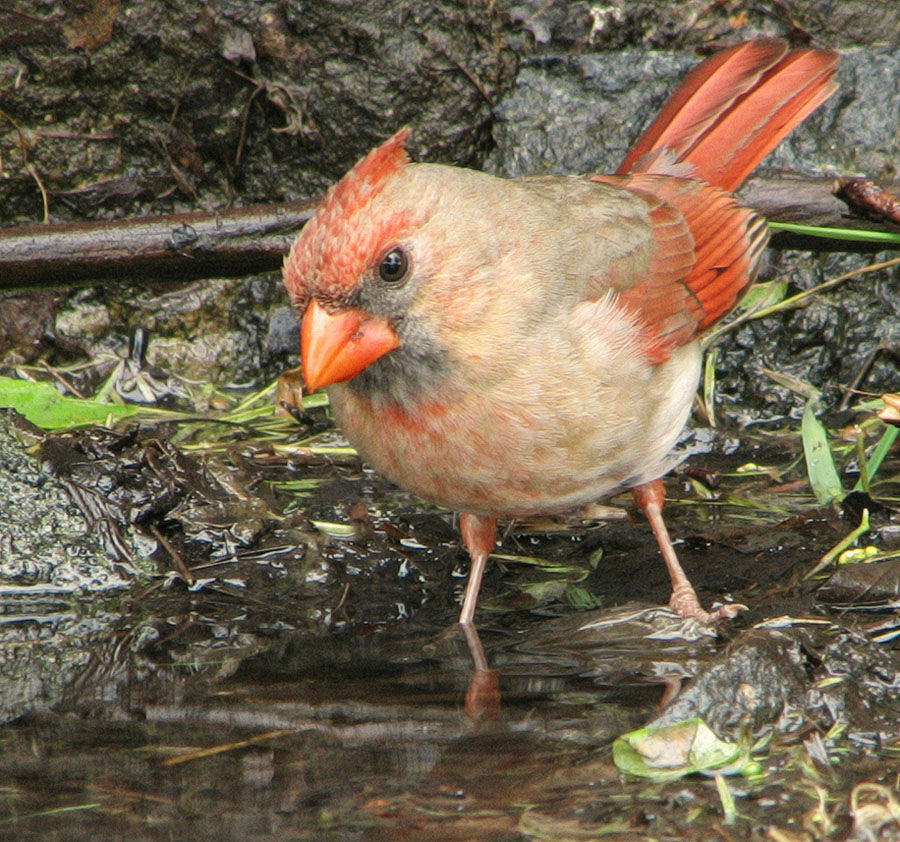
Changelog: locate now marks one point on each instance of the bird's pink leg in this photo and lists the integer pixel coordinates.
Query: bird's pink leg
(650, 497)
(479, 534)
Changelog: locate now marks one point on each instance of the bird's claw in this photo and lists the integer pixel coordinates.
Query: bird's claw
(684, 601)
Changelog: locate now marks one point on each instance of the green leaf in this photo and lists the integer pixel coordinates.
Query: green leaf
(581, 598)
(336, 530)
(764, 294)
(669, 752)
(820, 467)
(543, 592)
(45, 407)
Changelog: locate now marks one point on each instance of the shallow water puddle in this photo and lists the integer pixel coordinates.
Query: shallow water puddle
(296, 674)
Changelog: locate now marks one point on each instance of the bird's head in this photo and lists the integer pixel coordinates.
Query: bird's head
(409, 276)
(352, 272)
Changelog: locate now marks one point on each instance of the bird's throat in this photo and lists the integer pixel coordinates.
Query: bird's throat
(406, 377)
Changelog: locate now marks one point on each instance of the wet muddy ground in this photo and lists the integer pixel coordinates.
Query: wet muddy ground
(282, 663)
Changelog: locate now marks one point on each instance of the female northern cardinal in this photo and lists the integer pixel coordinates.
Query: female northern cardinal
(511, 347)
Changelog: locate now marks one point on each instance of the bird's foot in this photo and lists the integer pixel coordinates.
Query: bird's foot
(684, 601)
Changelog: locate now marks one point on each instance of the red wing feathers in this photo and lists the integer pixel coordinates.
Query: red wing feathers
(721, 121)
(706, 253)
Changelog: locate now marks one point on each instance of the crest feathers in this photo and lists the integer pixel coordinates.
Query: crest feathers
(368, 176)
(311, 262)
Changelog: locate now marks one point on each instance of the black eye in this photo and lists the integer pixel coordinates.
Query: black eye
(393, 266)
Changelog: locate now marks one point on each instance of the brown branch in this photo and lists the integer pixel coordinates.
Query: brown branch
(812, 201)
(183, 246)
(233, 243)
(870, 200)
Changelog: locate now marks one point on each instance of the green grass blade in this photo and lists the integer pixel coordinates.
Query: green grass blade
(856, 235)
(885, 443)
(709, 385)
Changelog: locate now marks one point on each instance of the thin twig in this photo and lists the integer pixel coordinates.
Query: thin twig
(29, 167)
(183, 570)
(797, 300)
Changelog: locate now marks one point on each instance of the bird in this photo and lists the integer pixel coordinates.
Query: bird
(511, 347)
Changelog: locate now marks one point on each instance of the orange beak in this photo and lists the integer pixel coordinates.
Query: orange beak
(337, 346)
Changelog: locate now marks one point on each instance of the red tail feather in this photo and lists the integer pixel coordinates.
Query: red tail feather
(733, 109)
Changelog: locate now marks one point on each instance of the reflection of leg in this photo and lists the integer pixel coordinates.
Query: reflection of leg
(476, 650)
(483, 694)
(479, 534)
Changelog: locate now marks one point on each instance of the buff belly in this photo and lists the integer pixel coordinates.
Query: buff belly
(509, 459)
